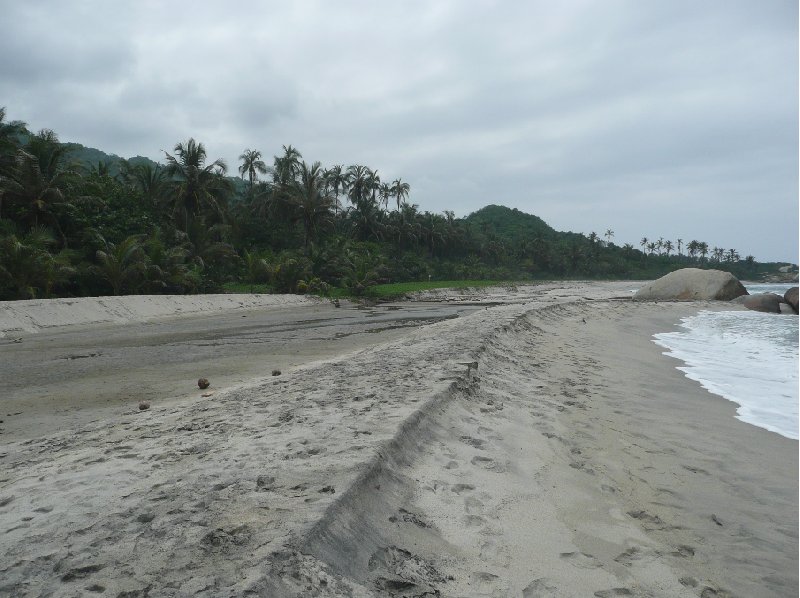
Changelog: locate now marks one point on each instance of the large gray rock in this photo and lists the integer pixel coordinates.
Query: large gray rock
(766, 302)
(692, 284)
(791, 298)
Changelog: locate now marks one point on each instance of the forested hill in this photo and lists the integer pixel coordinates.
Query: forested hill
(509, 224)
(89, 158)
(77, 221)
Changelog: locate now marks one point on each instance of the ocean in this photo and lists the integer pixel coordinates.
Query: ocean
(748, 357)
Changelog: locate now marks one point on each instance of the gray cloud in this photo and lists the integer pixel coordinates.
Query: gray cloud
(667, 118)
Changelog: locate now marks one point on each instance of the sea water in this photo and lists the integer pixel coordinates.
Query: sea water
(748, 357)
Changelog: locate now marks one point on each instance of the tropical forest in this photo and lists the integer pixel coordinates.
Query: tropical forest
(75, 221)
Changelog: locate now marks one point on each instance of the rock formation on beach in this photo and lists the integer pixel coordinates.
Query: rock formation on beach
(770, 302)
(791, 298)
(693, 284)
(766, 302)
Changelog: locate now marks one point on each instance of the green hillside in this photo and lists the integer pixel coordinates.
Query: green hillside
(509, 224)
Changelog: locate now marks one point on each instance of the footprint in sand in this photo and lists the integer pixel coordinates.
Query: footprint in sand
(488, 463)
(539, 588)
(580, 560)
(474, 521)
(613, 592)
(629, 556)
(476, 442)
(472, 505)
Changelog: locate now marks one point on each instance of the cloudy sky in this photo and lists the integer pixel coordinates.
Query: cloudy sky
(658, 118)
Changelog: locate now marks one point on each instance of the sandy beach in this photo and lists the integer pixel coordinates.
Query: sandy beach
(526, 442)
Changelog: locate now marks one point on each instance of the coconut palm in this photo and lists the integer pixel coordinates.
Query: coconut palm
(693, 248)
(252, 165)
(27, 268)
(123, 265)
(373, 184)
(313, 203)
(286, 167)
(609, 235)
(151, 181)
(197, 188)
(38, 181)
(400, 191)
(9, 135)
(357, 181)
(335, 179)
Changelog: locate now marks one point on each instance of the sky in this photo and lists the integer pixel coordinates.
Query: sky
(671, 119)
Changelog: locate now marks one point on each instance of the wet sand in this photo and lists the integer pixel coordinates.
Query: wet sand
(542, 447)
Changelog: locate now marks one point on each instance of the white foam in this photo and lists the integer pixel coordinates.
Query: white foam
(747, 357)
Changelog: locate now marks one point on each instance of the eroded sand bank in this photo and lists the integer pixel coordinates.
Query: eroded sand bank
(574, 461)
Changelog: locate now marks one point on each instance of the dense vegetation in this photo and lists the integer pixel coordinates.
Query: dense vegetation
(75, 221)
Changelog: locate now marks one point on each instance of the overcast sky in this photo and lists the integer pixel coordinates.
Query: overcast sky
(657, 118)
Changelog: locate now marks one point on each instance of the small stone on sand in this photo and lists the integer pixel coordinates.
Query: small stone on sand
(203, 383)
(144, 405)
(276, 372)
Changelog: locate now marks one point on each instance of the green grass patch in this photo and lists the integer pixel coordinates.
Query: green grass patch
(398, 289)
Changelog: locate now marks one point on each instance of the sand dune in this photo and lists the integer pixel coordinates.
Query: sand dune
(573, 461)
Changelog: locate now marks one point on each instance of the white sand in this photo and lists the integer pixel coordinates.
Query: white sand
(575, 461)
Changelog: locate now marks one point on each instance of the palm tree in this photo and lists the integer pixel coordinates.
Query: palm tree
(123, 265)
(703, 249)
(400, 191)
(385, 194)
(668, 247)
(198, 187)
(335, 179)
(38, 181)
(373, 184)
(644, 242)
(312, 201)
(27, 268)
(693, 248)
(356, 179)
(609, 235)
(680, 244)
(9, 140)
(151, 182)
(252, 165)
(286, 167)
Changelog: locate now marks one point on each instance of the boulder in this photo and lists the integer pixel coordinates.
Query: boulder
(787, 309)
(692, 284)
(766, 302)
(791, 298)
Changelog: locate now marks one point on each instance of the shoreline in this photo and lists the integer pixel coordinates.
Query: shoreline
(575, 460)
